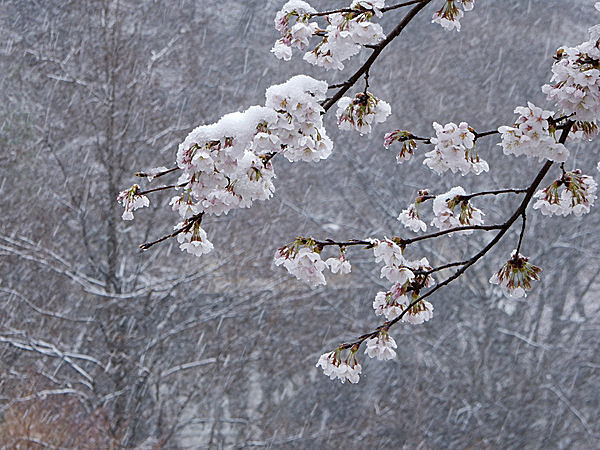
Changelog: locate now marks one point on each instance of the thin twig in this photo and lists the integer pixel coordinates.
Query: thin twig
(347, 10)
(184, 229)
(159, 174)
(161, 188)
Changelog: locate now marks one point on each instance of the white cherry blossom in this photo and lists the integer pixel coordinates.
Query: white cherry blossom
(381, 347)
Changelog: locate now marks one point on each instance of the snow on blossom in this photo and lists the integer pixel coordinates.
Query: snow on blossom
(361, 112)
(572, 193)
(227, 164)
(454, 150)
(299, 125)
(449, 15)
(345, 33)
(532, 135)
(296, 35)
(445, 216)
(575, 83)
(381, 346)
(132, 200)
(332, 365)
(516, 275)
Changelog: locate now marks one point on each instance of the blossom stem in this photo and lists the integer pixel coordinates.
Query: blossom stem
(162, 188)
(523, 223)
(184, 229)
(159, 174)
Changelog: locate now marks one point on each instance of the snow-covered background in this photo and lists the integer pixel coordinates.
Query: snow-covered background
(163, 348)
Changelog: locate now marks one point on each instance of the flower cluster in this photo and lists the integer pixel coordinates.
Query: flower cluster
(302, 258)
(516, 275)
(533, 135)
(334, 365)
(345, 33)
(227, 164)
(577, 196)
(449, 15)
(132, 200)
(381, 346)
(575, 79)
(409, 145)
(297, 34)
(408, 277)
(299, 131)
(361, 112)
(193, 238)
(454, 150)
(410, 217)
(445, 217)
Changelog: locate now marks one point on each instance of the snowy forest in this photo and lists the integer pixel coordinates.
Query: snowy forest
(106, 345)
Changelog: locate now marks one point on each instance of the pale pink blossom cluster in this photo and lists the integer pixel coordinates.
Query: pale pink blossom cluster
(295, 34)
(381, 346)
(227, 165)
(575, 83)
(409, 145)
(305, 264)
(345, 34)
(361, 112)
(454, 150)
(335, 368)
(299, 131)
(573, 193)
(516, 275)
(341, 264)
(408, 277)
(194, 240)
(410, 218)
(444, 206)
(224, 165)
(532, 135)
(302, 258)
(132, 200)
(449, 15)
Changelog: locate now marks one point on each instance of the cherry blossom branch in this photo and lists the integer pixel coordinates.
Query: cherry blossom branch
(494, 192)
(162, 188)
(376, 52)
(188, 224)
(520, 211)
(159, 174)
(351, 10)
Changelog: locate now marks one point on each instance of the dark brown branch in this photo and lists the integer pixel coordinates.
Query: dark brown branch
(495, 192)
(188, 223)
(161, 188)
(520, 211)
(159, 174)
(383, 10)
(376, 52)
